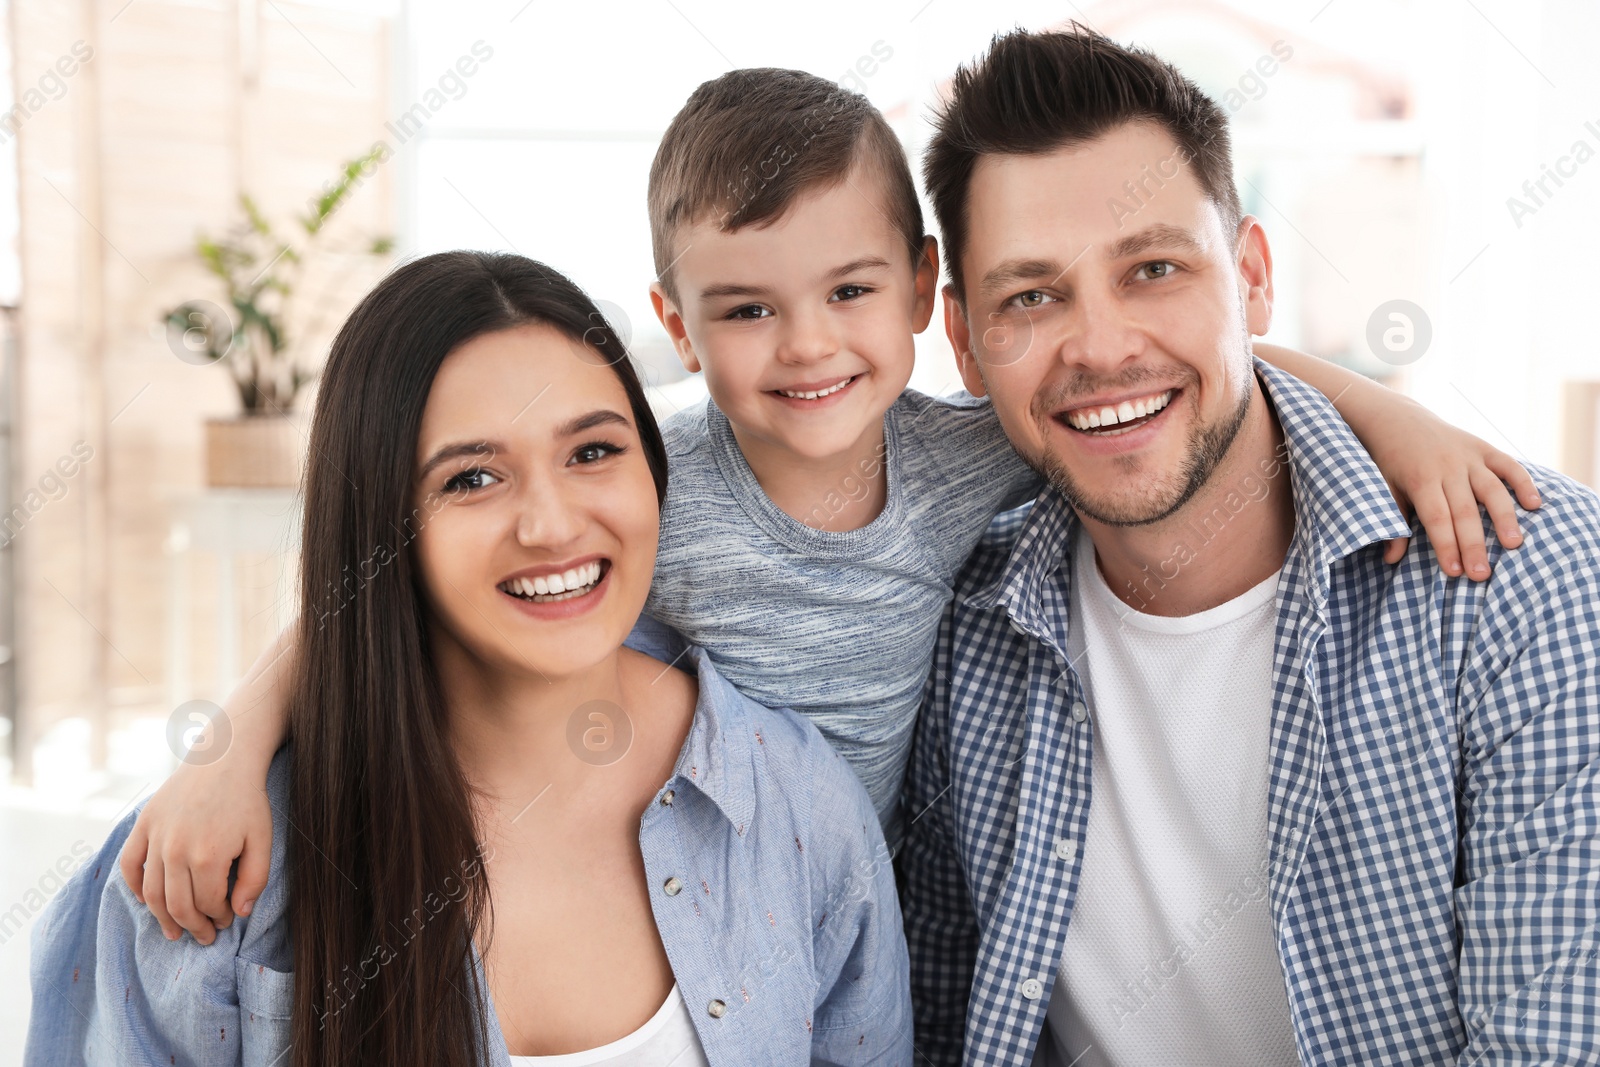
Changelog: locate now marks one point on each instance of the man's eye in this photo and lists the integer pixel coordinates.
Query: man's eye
(749, 312)
(1159, 269)
(850, 292)
(468, 480)
(1033, 298)
(596, 451)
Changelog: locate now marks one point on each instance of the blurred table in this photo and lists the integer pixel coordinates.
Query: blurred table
(226, 523)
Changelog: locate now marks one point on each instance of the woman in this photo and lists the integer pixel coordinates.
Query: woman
(460, 871)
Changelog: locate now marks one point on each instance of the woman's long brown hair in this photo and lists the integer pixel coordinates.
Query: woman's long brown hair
(388, 891)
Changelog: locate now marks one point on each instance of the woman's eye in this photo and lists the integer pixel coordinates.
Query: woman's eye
(749, 312)
(1159, 269)
(850, 292)
(1033, 298)
(596, 451)
(468, 480)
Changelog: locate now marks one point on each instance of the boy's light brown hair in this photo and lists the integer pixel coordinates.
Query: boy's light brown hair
(748, 144)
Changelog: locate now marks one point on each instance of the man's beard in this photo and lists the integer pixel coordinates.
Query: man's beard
(1208, 444)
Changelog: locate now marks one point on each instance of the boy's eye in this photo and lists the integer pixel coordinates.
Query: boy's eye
(749, 312)
(1159, 269)
(850, 292)
(470, 479)
(595, 451)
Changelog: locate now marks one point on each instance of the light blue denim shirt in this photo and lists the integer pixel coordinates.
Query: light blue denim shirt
(784, 938)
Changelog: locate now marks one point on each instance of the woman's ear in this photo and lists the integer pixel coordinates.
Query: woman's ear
(672, 321)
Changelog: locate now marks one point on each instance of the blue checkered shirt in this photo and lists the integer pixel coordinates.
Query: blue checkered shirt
(1433, 797)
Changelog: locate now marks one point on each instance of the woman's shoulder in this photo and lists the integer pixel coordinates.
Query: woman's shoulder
(105, 976)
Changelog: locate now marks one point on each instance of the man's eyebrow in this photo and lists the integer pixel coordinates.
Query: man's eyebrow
(1160, 235)
(856, 266)
(1015, 271)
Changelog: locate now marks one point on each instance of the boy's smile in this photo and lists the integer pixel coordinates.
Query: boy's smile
(804, 326)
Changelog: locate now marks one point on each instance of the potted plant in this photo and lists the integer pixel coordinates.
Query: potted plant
(257, 335)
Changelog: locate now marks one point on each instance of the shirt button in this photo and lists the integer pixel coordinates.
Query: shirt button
(1017, 626)
(1066, 850)
(1033, 989)
(666, 798)
(716, 1009)
(672, 886)
(1080, 711)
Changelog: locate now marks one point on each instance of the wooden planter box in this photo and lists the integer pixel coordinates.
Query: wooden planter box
(254, 451)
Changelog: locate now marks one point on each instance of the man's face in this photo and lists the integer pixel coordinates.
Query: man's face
(1108, 315)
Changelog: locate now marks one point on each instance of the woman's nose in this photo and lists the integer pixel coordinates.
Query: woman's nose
(548, 516)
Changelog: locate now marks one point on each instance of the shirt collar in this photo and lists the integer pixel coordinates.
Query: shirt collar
(1341, 502)
(717, 757)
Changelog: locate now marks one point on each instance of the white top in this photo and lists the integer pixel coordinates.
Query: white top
(668, 1037)
(1171, 955)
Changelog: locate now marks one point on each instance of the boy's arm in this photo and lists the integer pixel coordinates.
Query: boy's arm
(1441, 472)
(178, 856)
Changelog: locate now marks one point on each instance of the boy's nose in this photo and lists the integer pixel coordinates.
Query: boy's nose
(807, 340)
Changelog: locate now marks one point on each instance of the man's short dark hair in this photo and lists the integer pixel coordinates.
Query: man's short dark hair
(746, 145)
(1038, 92)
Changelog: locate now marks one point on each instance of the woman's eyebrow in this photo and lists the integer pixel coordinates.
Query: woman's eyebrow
(600, 417)
(457, 450)
(445, 453)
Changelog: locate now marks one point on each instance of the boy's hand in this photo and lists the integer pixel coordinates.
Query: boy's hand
(184, 842)
(1443, 474)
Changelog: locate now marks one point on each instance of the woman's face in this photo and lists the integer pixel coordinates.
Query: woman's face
(537, 511)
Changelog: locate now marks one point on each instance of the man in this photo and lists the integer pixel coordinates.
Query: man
(1199, 779)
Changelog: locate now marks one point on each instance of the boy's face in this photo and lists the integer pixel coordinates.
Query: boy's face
(1115, 345)
(824, 300)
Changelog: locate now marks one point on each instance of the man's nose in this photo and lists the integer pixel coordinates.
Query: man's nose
(1100, 334)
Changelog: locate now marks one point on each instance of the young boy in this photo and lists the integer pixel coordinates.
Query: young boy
(817, 510)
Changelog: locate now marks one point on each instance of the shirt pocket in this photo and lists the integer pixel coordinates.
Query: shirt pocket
(266, 1003)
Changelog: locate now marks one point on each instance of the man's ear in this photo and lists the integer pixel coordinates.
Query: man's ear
(927, 284)
(672, 321)
(960, 334)
(1255, 275)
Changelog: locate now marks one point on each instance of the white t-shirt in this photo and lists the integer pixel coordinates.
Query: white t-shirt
(667, 1038)
(1172, 955)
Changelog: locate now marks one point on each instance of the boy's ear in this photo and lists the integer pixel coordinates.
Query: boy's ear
(960, 334)
(927, 284)
(672, 321)
(1255, 275)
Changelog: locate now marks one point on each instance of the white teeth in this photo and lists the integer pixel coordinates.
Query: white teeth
(819, 393)
(550, 587)
(1127, 411)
